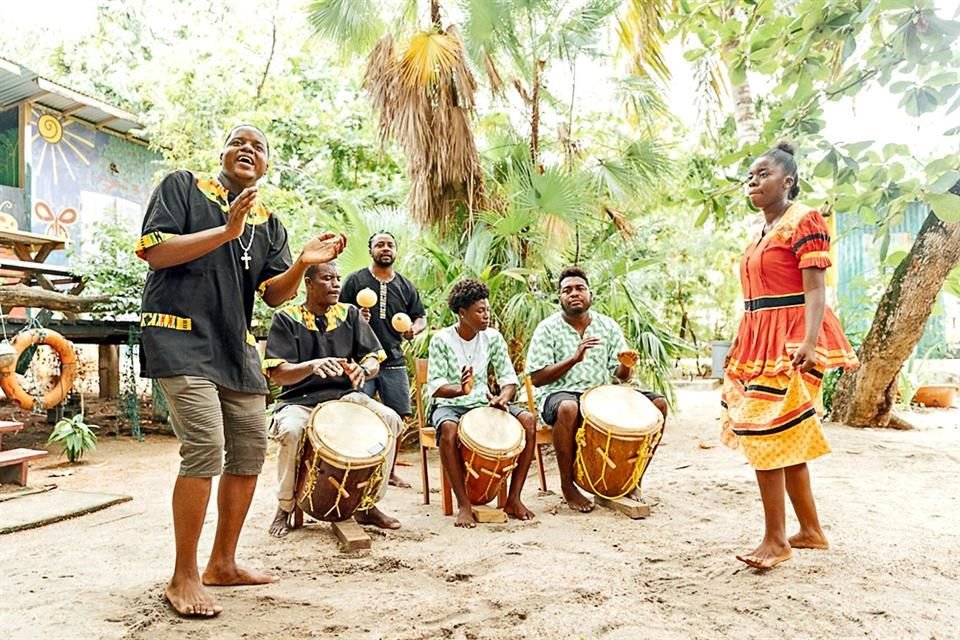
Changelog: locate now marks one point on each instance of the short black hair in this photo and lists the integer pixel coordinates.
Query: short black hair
(380, 233)
(572, 272)
(783, 155)
(314, 268)
(465, 293)
(244, 125)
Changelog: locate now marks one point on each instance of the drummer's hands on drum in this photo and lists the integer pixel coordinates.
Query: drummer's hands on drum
(805, 357)
(585, 344)
(354, 372)
(497, 402)
(327, 367)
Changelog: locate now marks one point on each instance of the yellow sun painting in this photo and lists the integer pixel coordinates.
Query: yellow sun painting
(56, 136)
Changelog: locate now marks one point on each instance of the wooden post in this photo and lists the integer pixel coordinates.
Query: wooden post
(109, 371)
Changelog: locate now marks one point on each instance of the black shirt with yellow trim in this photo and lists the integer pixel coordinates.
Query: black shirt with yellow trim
(196, 317)
(297, 335)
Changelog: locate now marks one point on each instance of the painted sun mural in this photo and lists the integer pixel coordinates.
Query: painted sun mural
(63, 143)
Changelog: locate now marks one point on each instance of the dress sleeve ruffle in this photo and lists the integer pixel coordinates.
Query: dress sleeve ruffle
(811, 242)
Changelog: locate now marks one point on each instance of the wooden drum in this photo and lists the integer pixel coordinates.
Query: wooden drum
(616, 441)
(490, 442)
(342, 455)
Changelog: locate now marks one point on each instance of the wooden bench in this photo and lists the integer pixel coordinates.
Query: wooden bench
(8, 426)
(28, 272)
(14, 464)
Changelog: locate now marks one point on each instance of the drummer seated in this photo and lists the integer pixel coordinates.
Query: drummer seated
(317, 352)
(459, 357)
(571, 352)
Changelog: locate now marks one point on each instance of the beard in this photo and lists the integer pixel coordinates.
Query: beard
(384, 260)
(575, 311)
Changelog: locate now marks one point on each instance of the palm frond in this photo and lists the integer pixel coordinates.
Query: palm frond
(355, 25)
(581, 30)
(643, 97)
(642, 36)
(428, 56)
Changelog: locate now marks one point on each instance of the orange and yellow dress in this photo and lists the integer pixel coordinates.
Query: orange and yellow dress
(772, 411)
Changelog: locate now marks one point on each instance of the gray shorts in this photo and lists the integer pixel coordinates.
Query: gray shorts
(444, 413)
(209, 421)
(393, 385)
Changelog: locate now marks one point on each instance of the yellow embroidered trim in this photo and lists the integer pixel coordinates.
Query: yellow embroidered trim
(151, 240)
(215, 193)
(251, 340)
(380, 355)
(165, 321)
(811, 255)
(271, 363)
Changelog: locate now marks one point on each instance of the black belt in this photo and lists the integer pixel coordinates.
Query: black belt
(773, 303)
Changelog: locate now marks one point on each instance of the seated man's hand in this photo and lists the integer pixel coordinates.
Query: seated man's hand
(497, 402)
(327, 367)
(354, 372)
(628, 358)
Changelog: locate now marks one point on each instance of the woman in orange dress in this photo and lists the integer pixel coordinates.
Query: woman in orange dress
(787, 338)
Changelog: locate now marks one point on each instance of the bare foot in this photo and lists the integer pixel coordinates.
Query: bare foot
(234, 576)
(766, 556)
(465, 517)
(634, 495)
(397, 481)
(809, 540)
(281, 524)
(518, 510)
(377, 518)
(189, 599)
(576, 500)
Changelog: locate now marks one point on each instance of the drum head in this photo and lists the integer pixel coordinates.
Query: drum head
(348, 431)
(620, 409)
(486, 428)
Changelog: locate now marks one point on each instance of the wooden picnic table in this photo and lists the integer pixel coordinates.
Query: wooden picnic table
(32, 249)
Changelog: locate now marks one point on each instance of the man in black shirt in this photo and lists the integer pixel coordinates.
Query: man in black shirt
(320, 351)
(395, 294)
(212, 245)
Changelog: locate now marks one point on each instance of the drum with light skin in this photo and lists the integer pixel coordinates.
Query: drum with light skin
(341, 460)
(620, 432)
(491, 440)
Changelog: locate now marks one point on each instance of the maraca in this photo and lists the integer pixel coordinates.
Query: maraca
(366, 298)
(401, 322)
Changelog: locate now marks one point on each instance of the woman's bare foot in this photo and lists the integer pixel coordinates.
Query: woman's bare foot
(634, 495)
(518, 510)
(809, 540)
(377, 518)
(397, 481)
(576, 500)
(189, 599)
(234, 576)
(465, 517)
(281, 523)
(766, 556)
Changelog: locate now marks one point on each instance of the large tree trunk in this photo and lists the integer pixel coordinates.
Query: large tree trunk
(865, 397)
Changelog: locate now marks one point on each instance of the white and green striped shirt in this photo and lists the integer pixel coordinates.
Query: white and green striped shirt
(554, 341)
(449, 353)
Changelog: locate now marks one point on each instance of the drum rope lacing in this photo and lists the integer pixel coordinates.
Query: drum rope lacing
(493, 476)
(366, 502)
(639, 467)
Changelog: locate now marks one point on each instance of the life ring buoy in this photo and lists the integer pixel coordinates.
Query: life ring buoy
(68, 369)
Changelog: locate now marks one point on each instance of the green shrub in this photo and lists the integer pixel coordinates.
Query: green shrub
(75, 436)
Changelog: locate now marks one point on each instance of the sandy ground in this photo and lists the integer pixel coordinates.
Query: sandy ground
(888, 500)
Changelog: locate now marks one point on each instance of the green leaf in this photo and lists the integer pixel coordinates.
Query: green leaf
(895, 258)
(693, 54)
(827, 167)
(944, 182)
(945, 205)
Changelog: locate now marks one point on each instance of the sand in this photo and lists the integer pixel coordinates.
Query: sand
(888, 501)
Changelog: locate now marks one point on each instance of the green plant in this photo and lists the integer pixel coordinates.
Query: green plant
(75, 436)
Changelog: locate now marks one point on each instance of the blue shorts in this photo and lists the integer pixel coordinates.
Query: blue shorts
(393, 385)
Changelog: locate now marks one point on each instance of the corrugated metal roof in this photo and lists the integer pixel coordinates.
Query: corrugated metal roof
(19, 84)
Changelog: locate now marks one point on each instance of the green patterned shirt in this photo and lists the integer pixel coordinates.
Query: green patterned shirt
(554, 341)
(449, 353)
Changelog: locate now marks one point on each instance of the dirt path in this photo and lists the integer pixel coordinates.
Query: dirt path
(889, 502)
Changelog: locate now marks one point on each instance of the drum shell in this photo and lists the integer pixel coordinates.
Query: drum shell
(491, 466)
(318, 500)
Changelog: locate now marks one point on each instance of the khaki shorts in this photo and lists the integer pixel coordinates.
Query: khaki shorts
(210, 420)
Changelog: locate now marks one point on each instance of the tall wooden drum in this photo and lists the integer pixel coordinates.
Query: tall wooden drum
(490, 442)
(616, 441)
(342, 456)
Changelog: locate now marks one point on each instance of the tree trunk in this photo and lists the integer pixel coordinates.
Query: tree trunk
(535, 115)
(19, 295)
(865, 397)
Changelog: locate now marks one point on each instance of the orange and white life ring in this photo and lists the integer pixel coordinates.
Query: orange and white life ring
(68, 369)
